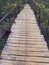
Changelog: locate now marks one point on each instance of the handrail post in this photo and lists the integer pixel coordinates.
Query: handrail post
(48, 22)
(9, 22)
(39, 15)
(48, 25)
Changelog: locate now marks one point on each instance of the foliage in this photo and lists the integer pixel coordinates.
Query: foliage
(41, 8)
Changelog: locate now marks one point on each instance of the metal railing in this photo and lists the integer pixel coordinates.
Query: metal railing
(8, 19)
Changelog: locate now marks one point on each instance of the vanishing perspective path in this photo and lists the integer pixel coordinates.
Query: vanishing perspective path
(26, 44)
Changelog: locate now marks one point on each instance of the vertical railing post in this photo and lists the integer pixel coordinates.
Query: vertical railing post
(9, 24)
(48, 22)
(39, 15)
(48, 26)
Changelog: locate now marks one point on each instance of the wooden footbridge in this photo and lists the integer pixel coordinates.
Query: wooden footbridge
(26, 44)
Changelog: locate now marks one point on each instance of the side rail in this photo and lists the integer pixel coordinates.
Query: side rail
(8, 19)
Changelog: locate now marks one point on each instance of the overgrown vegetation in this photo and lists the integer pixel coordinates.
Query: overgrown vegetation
(41, 8)
(6, 5)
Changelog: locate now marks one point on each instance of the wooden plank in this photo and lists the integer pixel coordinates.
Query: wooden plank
(31, 43)
(28, 45)
(29, 40)
(10, 62)
(27, 59)
(23, 53)
(25, 49)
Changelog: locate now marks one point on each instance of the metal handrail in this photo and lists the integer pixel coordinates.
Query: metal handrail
(8, 13)
(17, 9)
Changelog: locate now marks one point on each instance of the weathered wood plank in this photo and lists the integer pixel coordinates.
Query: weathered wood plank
(10, 62)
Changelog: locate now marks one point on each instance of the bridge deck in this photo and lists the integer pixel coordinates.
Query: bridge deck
(25, 44)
